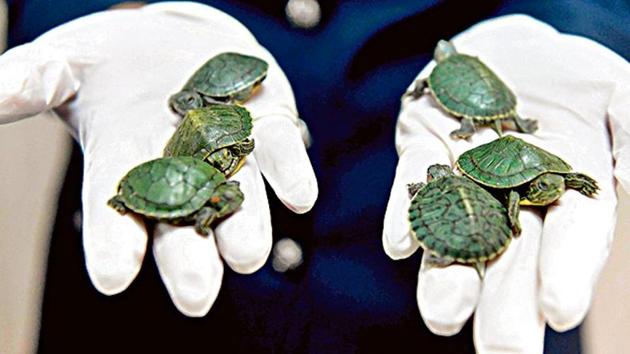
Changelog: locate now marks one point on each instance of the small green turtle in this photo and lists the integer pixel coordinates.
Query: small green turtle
(225, 78)
(218, 134)
(455, 220)
(178, 190)
(528, 174)
(466, 88)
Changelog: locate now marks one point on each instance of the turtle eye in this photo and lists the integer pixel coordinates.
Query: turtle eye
(543, 186)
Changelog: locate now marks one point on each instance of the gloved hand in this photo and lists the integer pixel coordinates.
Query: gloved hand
(578, 91)
(109, 77)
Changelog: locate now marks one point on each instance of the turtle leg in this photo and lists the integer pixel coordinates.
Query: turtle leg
(480, 267)
(582, 183)
(244, 94)
(413, 188)
(417, 91)
(437, 261)
(513, 211)
(465, 131)
(244, 148)
(525, 125)
(204, 219)
(497, 126)
(117, 203)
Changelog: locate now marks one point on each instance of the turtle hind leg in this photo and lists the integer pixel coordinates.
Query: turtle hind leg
(118, 204)
(497, 126)
(480, 267)
(243, 95)
(513, 212)
(525, 125)
(465, 131)
(582, 183)
(417, 91)
(205, 217)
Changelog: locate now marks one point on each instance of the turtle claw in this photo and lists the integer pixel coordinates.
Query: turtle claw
(465, 131)
(525, 125)
(204, 219)
(480, 267)
(417, 91)
(118, 205)
(582, 183)
(437, 261)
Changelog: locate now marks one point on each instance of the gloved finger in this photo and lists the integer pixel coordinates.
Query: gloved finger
(35, 77)
(577, 236)
(221, 23)
(274, 97)
(282, 159)
(398, 242)
(418, 148)
(114, 245)
(508, 319)
(244, 238)
(189, 266)
(447, 296)
(619, 116)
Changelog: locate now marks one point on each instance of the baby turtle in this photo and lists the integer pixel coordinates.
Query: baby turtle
(225, 78)
(178, 190)
(466, 88)
(218, 134)
(528, 174)
(456, 220)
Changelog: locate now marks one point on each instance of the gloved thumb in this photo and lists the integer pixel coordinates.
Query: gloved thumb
(35, 77)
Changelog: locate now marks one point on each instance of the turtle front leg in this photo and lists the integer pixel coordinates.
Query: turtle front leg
(525, 125)
(413, 188)
(205, 217)
(117, 203)
(417, 91)
(243, 148)
(582, 183)
(465, 131)
(513, 212)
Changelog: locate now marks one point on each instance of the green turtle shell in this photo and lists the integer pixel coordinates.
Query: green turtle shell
(466, 87)
(509, 162)
(169, 187)
(455, 219)
(227, 74)
(205, 130)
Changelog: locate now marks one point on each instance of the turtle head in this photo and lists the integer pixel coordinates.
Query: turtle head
(443, 50)
(227, 198)
(436, 171)
(184, 101)
(544, 190)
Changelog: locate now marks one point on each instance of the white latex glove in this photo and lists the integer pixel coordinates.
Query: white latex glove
(109, 76)
(580, 93)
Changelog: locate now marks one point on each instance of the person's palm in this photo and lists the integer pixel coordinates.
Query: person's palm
(575, 89)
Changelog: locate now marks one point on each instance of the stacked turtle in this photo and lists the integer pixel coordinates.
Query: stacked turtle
(460, 219)
(189, 185)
